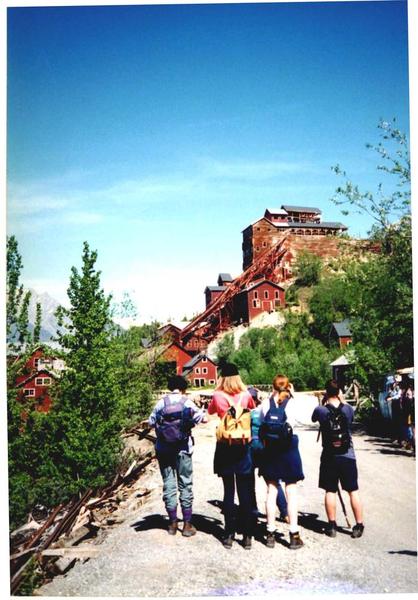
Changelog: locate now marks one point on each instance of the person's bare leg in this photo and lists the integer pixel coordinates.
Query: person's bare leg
(331, 505)
(292, 505)
(271, 505)
(356, 506)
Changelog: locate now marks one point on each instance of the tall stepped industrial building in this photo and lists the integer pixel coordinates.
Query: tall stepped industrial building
(270, 247)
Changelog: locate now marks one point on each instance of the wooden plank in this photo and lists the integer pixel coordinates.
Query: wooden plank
(73, 552)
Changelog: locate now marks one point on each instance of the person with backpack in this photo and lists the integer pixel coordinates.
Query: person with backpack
(338, 460)
(280, 458)
(257, 448)
(173, 417)
(232, 403)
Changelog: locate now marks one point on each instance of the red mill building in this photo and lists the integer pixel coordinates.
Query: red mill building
(270, 246)
(298, 221)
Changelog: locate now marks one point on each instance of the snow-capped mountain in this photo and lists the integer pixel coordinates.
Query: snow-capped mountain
(49, 305)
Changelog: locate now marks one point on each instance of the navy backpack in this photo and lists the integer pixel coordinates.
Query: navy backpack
(275, 431)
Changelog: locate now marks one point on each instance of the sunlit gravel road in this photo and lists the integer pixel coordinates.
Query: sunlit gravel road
(138, 558)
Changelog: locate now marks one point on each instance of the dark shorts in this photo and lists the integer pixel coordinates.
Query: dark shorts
(336, 469)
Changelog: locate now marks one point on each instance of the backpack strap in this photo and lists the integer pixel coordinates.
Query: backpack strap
(230, 400)
(166, 400)
(280, 407)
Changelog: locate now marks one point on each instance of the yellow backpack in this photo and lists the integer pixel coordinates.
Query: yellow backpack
(235, 425)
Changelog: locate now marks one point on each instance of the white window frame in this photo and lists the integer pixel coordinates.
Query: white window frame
(266, 295)
(31, 395)
(197, 370)
(204, 370)
(43, 381)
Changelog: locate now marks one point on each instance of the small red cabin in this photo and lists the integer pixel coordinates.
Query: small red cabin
(259, 297)
(38, 374)
(200, 371)
(341, 332)
(36, 388)
(212, 292)
(175, 353)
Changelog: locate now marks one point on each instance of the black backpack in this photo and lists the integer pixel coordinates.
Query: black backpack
(335, 430)
(274, 430)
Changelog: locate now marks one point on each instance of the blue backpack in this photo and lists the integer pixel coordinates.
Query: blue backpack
(275, 431)
(174, 422)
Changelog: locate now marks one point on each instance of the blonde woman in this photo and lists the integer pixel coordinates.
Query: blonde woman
(280, 461)
(233, 462)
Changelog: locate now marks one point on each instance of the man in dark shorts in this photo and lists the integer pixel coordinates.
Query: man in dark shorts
(338, 465)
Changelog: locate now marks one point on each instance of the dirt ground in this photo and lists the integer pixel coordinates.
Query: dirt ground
(138, 558)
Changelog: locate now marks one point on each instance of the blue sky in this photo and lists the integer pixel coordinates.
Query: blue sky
(158, 133)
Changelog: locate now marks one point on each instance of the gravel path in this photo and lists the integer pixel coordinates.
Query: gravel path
(138, 558)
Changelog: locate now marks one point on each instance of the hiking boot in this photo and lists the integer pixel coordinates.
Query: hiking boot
(283, 519)
(295, 541)
(270, 539)
(172, 527)
(357, 530)
(246, 542)
(188, 529)
(227, 541)
(331, 529)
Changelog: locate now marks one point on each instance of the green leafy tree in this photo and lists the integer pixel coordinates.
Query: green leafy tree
(134, 383)
(383, 207)
(381, 292)
(38, 324)
(17, 303)
(225, 348)
(88, 415)
(308, 269)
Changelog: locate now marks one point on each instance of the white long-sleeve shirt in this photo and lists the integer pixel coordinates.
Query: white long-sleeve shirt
(197, 416)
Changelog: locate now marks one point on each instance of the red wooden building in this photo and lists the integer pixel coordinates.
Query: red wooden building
(37, 375)
(36, 388)
(200, 371)
(258, 297)
(214, 291)
(169, 332)
(276, 223)
(175, 353)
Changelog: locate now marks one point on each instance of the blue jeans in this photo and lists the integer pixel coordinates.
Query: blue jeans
(177, 472)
